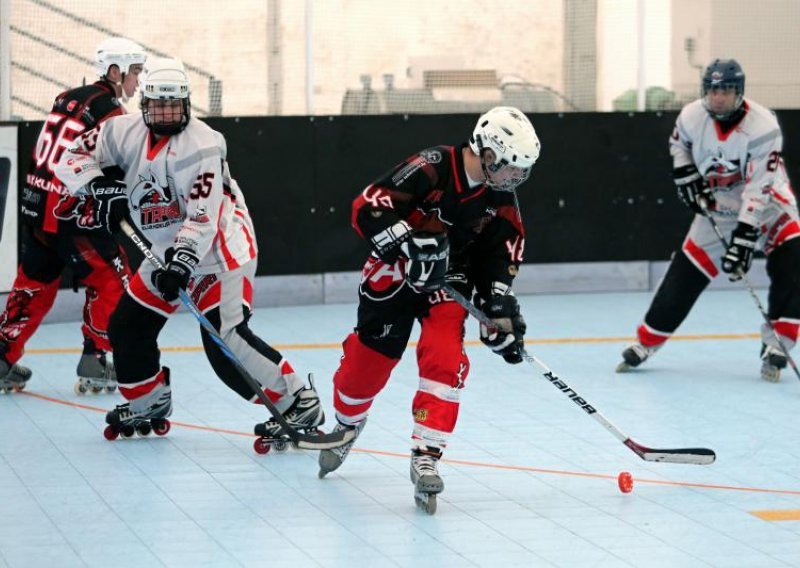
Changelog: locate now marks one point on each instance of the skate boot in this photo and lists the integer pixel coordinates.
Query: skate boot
(13, 377)
(772, 362)
(146, 414)
(95, 372)
(331, 460)
(425, 477)
(634, 355)
(305, 414)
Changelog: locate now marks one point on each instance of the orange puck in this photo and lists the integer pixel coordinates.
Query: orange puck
(625, 482)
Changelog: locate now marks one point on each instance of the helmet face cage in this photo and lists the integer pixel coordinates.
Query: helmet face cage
(160, 116)
(501, 175)
(507, 145)
(723, 74)
(163, 84)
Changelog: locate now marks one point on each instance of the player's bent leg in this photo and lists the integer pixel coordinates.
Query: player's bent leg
(362, 374)
(443, 370)
(133, 331)
(28, 303)
(687, 276)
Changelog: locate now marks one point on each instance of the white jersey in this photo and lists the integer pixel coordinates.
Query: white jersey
(743, 166)
(180, 190)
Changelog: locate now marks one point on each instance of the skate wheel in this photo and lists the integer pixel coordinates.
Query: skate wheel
(426, 502)
(112, 388)
(144, 429)
(6, 390)
(97, 390)
(19, 388)
(128, 431)
(110, 434)
(261, 447)
(280, 445)
(161, 427)
(80, 389)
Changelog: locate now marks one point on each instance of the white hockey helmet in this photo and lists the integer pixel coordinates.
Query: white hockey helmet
(118, 51)
(508, 133)
(165, 80)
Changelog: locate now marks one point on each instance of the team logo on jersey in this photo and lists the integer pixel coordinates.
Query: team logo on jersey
(154, 203)
(381, 280)
(721, 173)
(431, 156)
(83, 210)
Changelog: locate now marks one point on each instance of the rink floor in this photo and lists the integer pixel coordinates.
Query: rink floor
(530, 479)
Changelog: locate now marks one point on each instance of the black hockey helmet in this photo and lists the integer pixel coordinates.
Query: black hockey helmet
(724, 74)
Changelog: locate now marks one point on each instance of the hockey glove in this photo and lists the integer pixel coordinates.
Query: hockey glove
(739, 256)
(110, 199)
(692, 188)
(178, 271)
(427, 260)
(507, 339)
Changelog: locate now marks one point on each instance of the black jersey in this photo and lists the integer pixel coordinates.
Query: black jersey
(430, 191)
(44, 202)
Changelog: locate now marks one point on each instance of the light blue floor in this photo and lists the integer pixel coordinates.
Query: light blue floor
(532, 481)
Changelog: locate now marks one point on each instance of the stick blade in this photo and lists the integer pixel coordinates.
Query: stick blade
(695, 456)
(325, 441)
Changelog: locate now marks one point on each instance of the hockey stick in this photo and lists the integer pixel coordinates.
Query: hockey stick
(743, 277)
(698, 456)
(303, 440)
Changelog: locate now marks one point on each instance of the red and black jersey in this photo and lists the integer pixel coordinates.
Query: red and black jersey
(430, 191)
(44, 202)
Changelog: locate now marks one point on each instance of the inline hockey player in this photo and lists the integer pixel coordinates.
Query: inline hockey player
(59, 231)
(179, 194)
(726, 152)
(444, 215)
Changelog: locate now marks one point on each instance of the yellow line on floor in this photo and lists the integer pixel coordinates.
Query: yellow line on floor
(532, 341)
(778, 515)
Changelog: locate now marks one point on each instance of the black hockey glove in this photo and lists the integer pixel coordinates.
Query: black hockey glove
(739, 256)
(180, 264)
(427, 260)
(507, 339)
(692, 188)
(110, 200)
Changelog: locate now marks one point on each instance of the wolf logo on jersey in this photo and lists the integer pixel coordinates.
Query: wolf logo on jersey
(154, 203)
(720, 172)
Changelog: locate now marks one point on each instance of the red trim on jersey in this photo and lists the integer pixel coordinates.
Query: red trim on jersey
(510, 214)
(247, 235)
(788, 329)
(50, 224)
(247, 291)
(230, 262)
(778, 196)
(154, 149)
(723, 134)
(700, 257)
(210, 298)
(455, 170)
(650, 338)
(139, 290)
(481, 191)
